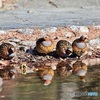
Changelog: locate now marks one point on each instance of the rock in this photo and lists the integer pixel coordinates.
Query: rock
(2, 32)
(28, 43)
(83, 29)
(69, 34)
(89, 53)
(95, 43)
(49, 30)
(25, 31)
(74, 28)
(14, 40)
(97, 26)
(0, 3)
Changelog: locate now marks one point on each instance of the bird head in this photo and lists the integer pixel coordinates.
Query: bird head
(47, 38)
(11, 52)
(83, 38)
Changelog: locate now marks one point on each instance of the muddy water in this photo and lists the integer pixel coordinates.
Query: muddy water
(30, 87)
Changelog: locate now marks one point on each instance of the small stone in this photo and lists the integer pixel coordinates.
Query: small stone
(83, 29)
(69, 34)
(74, 28)
(49, 30)
(2, 32)
(14, 40)
(25, 31)
(95, 43)
(89, 53)
(97, 26)
(28, 43)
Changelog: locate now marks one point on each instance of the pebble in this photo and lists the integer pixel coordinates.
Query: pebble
(49, 30)
(14, 40)
(69, 34)
(74, 28)
(95, 43)
(25, 31)
(82, 29)
(2, 32)
(89, 53)
(97, 26)
(28, 43)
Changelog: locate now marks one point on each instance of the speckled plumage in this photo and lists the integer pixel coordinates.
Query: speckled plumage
(44, 45)
(64, 69)
(7, 51)
(79, 46)
(63, 48)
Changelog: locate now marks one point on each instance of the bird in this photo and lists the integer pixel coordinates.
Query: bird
(7, 73)
(46, 73)
(79, 46)
(44, 45)
(80, 69)
(63, 48)
(7, 51)
(64, 69)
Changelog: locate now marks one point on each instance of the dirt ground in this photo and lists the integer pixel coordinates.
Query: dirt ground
(25, 41)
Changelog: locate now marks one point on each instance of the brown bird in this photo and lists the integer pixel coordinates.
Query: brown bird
(7, 51)
(79, 46)
(80, 69)
(44, 45)
(64, 69)
(7, 73)
(46, 73)
(63, 48)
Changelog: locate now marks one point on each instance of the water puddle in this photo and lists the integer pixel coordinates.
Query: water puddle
(30, 87)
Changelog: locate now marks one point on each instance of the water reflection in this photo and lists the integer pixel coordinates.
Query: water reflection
(30, 87)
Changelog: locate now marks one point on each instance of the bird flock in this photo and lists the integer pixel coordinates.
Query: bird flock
(44, 46)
